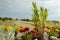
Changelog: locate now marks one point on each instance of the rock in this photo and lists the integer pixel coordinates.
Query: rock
(53, 37)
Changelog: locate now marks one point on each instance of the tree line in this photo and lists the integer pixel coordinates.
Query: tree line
(9, 18)
(5, 18)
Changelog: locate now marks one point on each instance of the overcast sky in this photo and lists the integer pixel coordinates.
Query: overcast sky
(23, 8)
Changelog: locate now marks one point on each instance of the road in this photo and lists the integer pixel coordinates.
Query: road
(24, 24)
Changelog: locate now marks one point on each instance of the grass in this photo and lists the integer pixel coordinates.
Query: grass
(4, 23)
(49, 23)
(27, 22)
(11, 22)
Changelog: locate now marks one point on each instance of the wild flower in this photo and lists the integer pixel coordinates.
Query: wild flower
(26, 29)
(33, 31)
(54, 27)
(8, 28)
(18, 28)
(57, 30)
(48, 30)
(21, 30)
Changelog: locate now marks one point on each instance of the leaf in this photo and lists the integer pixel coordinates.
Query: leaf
(35, 16)
(43, 15)
(46, 14)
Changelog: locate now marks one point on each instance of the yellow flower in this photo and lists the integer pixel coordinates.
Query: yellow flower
(17, 27)
(54, 27)
(8, 28)
(50, 26)
(57, 30)
(48, 30)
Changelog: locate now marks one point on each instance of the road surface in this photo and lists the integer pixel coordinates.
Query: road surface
(24, 24)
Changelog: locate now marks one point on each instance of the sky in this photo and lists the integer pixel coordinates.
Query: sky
(23, 8)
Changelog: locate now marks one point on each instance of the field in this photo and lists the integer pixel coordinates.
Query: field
(23, 24)
(18, 22)
(11, 22)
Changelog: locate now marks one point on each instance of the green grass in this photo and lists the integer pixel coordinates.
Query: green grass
(6, 23)
(50, 23)
(27, 22)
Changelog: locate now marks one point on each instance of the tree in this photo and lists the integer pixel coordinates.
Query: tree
(0, 18)
(10, 18)
(6, 18)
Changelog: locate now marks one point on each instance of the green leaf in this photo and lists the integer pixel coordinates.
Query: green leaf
(43, 16)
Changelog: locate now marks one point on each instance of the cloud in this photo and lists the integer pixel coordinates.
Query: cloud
(23, 8)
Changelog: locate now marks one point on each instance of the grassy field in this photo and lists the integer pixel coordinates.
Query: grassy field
(29, 24)
(12, 22)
